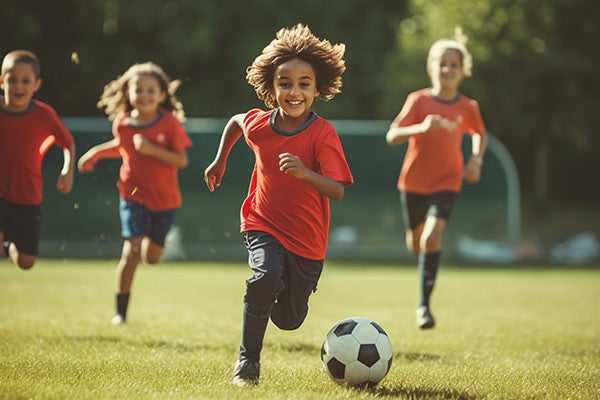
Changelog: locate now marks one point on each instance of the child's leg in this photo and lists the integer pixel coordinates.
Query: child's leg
(300, 279)
(20, 230)
(160, 222)
(151, 251)
(130, 258)
(438, 213)
(22, 260)
(265, 257)
(429, 262)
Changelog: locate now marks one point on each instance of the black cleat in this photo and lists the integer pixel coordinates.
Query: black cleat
(424, 318)
(246, 373)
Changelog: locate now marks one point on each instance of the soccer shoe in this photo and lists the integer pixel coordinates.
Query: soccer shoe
(246, 373)
(117, 319)
(424, 318)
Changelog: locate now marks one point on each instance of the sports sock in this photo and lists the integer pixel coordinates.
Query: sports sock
(121, 304)
(5, 245)
(254, 327)
(428, 268)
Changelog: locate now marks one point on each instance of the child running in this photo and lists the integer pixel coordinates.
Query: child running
(299, 166)
(28, 128)
(434, 121)
(151, 141)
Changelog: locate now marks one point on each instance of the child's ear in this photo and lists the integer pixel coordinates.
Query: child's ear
(38, 83)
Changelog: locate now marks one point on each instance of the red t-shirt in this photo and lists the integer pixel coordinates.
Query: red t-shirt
(25, 138)
(434, 160)
(291, 210)
(144, 179)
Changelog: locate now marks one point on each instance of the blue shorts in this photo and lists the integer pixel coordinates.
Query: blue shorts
(282, 281)
(20, 224)
(417, 207)
(138, 220)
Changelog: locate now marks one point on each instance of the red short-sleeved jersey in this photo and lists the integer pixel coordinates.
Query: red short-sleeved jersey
(434, 160)
(144, 179)
(25, 138)
(280, 204)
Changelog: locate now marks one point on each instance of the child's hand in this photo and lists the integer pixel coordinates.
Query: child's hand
(86, 163)
(64, 184)
(213, 175)
(140, 143)
(434, 121)
(473, 169)
(291, 164)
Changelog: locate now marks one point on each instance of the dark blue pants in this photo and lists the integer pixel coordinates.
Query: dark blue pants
(279, 290)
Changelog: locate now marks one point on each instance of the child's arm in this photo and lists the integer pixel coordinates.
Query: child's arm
(231, 133)
(473, 167)
(64, 184)
(399, 134)
(291, 164)
(145, 147)
(88, 160)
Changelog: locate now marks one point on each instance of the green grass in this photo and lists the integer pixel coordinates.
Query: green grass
(502, 333)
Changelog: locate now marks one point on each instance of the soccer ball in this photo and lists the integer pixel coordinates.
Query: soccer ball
(357, 352)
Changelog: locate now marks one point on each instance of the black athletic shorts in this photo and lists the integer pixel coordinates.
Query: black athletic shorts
(20, 224)
(417, 207)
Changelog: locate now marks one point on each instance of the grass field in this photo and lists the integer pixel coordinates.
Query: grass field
(513, 333)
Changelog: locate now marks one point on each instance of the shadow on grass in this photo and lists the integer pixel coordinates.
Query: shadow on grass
(417, 393)
(148, 344)
(298, 347)
(412, 357)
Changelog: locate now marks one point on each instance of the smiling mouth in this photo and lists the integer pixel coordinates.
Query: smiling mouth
(295, 102)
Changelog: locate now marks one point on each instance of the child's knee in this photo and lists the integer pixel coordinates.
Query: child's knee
(25, 262)
(152, 258)
(288, 318)
(284, 322)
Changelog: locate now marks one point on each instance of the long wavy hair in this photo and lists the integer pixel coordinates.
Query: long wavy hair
(114, 97)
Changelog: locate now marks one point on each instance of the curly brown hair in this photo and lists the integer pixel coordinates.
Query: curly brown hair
(300, 43)
(114, 97)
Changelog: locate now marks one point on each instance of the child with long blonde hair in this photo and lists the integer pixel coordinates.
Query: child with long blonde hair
(434, 121)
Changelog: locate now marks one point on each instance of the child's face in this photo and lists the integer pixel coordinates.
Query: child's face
(295, 87)
(19, 83)
(145, 95)
(447, 71)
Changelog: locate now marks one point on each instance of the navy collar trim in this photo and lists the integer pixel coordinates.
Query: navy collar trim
(309, 121)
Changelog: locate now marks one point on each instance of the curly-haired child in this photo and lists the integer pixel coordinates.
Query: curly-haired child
(299, 167)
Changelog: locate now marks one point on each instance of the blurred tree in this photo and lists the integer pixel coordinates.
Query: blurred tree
(535, 72)
(206, 43)
(535, 76)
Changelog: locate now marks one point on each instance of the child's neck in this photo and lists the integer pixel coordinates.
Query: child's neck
(444, 93)
(141, 119)
(287, 123)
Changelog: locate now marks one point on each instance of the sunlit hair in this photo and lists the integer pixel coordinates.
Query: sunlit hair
(459, 44)
(114, 97)
(21, 56)
(300, 43)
